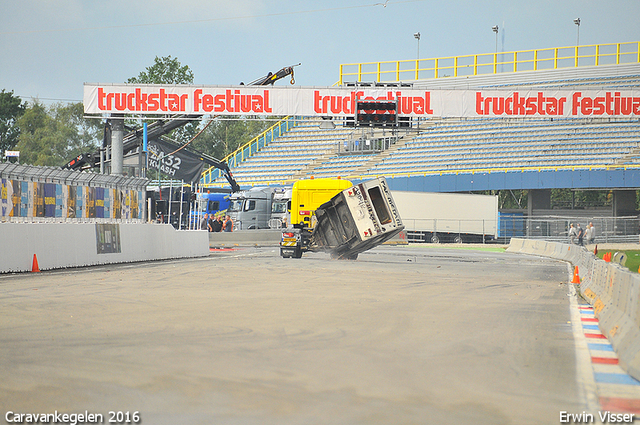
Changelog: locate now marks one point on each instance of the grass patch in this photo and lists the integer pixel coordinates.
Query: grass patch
(633, 258)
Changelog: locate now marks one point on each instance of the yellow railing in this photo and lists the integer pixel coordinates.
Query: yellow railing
(492, 63)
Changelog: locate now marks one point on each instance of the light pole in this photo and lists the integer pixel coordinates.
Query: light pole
(495, 29)
(417, 37)
(577, 22)
(495, 57)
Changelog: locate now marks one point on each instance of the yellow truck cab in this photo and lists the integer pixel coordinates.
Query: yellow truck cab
(307, 195)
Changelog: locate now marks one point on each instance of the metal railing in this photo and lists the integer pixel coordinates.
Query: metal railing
(492, 63)
(33, 194)
(366, 143)
(607, 229)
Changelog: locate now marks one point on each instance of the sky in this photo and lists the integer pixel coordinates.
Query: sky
(49, 48)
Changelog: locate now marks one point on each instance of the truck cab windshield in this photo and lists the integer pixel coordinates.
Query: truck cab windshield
(236, 205)
(279, 207)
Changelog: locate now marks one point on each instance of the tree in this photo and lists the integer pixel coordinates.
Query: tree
(168, 70)
(54, 135)
(11, 108)
(224, 136)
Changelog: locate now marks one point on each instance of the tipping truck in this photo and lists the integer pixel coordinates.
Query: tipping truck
(355, 219)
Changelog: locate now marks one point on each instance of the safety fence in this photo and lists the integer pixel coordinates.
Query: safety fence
(492, 63)
(611, 289)
(555, 228)
(49, 194)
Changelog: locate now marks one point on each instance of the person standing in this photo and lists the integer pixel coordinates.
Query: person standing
(573, 234)
(228, 224)
(204, 224)
(592, 234)
(216, 226)
(587, 234)
(580, 235)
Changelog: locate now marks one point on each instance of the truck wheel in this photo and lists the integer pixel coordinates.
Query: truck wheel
(435, 239)
(298, 253)
(457, 239)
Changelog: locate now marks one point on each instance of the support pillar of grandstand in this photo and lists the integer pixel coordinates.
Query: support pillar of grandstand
(117, 136)
(539, 199)
(624, 203)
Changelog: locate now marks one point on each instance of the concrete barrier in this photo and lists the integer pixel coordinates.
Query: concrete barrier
(61, 245)
(613, 291)
(258, 237)
(515, 245)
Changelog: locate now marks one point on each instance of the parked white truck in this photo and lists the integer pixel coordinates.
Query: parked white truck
(448, 217)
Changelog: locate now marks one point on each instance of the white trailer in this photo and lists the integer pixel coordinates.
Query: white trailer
(448, 217)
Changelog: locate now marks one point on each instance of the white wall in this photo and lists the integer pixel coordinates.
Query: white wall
(60, 245)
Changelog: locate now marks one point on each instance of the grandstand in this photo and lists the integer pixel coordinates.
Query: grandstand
(465, 149)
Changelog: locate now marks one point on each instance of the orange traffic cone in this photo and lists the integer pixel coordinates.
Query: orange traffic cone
(34, 266)
(576, 276)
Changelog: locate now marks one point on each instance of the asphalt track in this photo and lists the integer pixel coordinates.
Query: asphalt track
(403, 335)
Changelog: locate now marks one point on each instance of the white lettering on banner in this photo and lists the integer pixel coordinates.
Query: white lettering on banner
(341, 102)
(168, 164)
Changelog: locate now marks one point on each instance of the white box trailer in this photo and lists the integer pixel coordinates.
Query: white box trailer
(448, 217)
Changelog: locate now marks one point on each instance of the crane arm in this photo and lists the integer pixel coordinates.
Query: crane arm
(271, 78)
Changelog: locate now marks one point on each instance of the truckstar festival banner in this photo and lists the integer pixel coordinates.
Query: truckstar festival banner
(341, 102)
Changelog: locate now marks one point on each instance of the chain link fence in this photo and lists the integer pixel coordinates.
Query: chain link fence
(551, 228)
